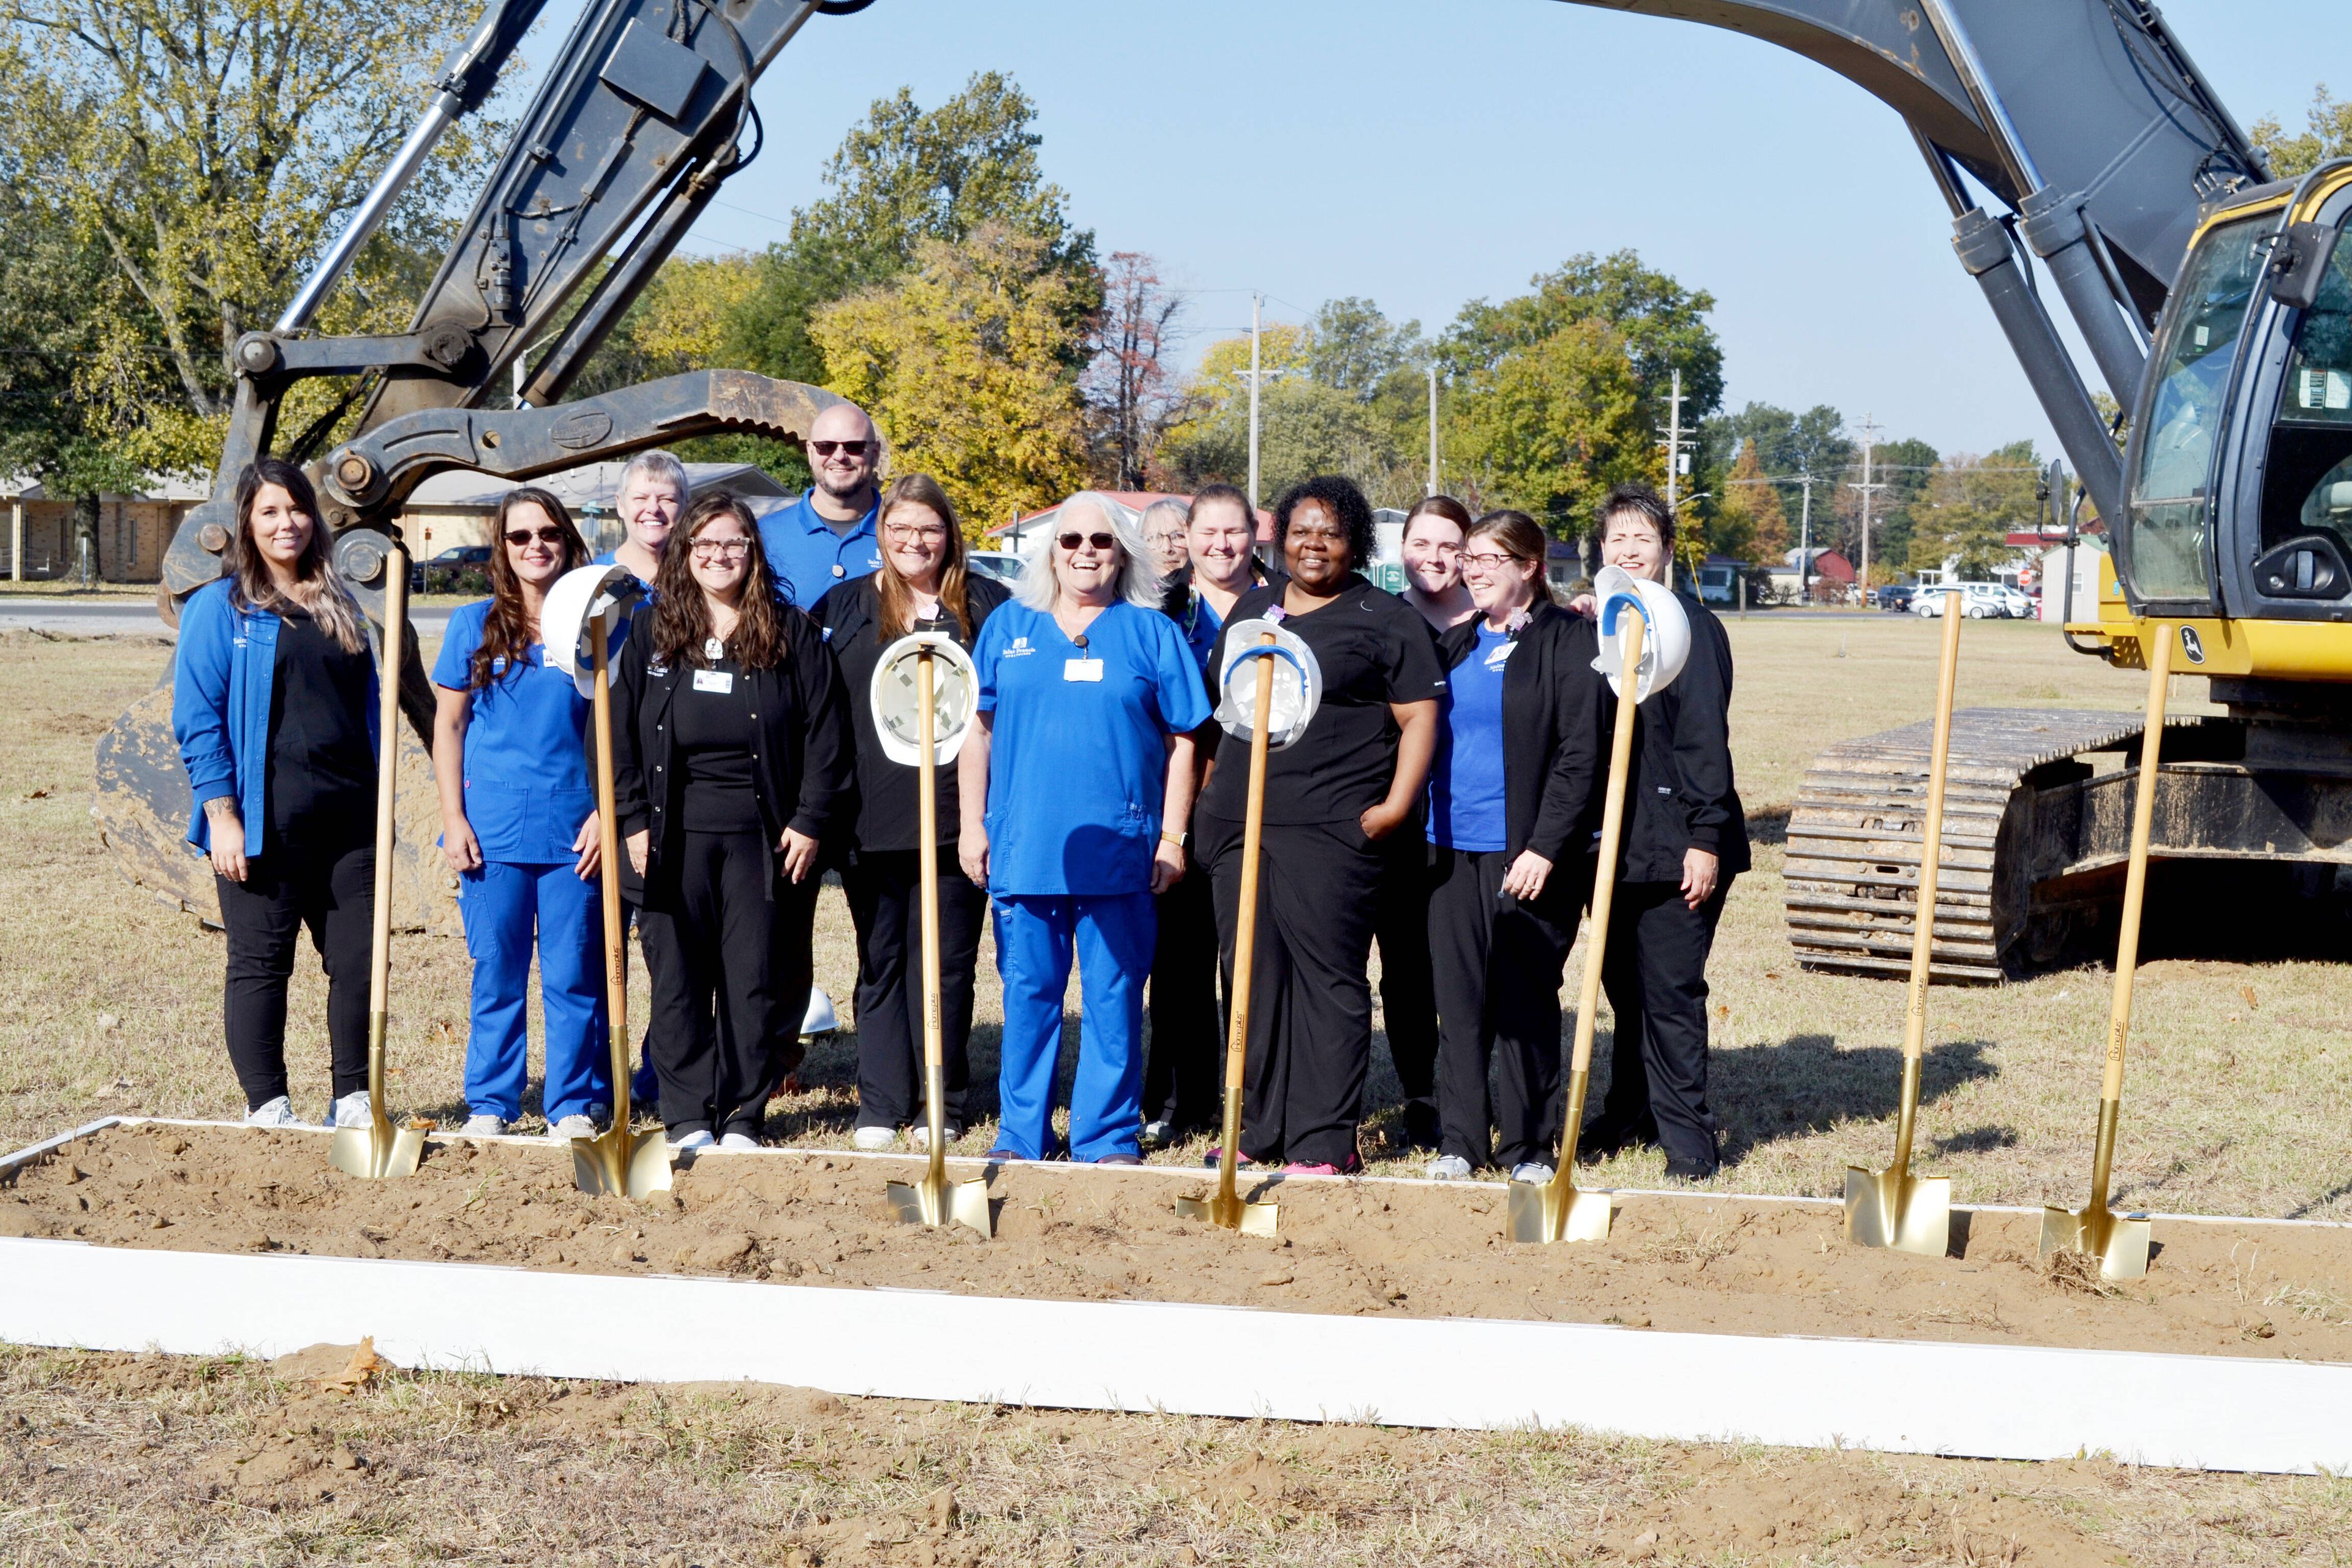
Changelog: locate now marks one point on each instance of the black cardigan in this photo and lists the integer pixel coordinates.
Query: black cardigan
(1682, 796)
(850, 613)
(800, 742)
(1551, 737)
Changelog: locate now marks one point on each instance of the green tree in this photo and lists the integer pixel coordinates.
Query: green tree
(1787, 443)
(1971, 506)
(1551, 427)
(1907, 468)
(2327, 133)
(1354, 347)
(1661, 325)
(1305, 429)
(905, 177)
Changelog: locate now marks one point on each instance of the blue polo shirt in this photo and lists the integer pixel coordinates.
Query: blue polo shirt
(1466, 779)
(613, 558)
(528, 788)
(808, 557)
(1078, 768)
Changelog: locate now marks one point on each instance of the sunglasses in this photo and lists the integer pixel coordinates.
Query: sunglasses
(518, 537)
(1099, 540)
(847, 448)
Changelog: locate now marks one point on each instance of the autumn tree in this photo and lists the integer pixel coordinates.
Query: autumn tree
(1972, 505)
(1305, 429)
(1132, 394)
(1749, 523)
(966, 361)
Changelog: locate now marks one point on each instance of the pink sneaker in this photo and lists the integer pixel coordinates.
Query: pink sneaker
(1301, 1168)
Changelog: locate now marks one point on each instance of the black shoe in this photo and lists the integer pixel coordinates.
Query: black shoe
(1690, 1171)
(1603, 1137)
(1419, 1126)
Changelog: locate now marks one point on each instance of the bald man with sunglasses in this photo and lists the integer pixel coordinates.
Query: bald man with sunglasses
(828, 535)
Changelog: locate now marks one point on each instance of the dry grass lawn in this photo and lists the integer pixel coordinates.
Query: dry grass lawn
(2238, 1100)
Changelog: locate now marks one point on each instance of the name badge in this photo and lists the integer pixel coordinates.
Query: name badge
(719, 680)
(1082, 670)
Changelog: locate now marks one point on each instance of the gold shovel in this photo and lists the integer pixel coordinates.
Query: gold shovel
(1227, 1208)
(1555, 1210)
(616, 1160)
(378, 1149)
(2120, 1241)
(934, 1201)
(1893, 1207)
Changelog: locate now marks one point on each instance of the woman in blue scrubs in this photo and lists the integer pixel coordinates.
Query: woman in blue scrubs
(518, 826)
(1075, 784)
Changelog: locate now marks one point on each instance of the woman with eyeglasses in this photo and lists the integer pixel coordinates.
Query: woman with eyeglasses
(1075, 782)
(1354, 779)
(518, 828)
(732, 760)
(922, 586)
(1511, 810)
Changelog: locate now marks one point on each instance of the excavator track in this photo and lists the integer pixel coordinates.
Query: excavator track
(2014, 809)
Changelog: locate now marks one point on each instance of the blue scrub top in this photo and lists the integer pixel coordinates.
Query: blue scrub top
(1199, 623)
(1077, 769)
(613, 558)
(1466, 779)
(808, 558)
(528, 788)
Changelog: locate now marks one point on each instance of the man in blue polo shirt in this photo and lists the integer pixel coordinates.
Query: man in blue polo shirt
(827, 536)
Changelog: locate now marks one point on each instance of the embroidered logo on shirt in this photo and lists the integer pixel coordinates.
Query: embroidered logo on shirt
(1020, 647)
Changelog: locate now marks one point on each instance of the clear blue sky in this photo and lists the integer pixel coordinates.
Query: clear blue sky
(1424, 155)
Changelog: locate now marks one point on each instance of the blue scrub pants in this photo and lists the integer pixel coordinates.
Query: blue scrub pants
(505, 907)
(1111, 934)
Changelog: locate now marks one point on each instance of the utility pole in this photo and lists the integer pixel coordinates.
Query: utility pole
(1869, 440)
(1258, 302)
(1433, 430)
(1804, 541)
(1674, 445)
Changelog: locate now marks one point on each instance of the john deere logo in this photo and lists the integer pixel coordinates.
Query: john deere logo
(2192, 645)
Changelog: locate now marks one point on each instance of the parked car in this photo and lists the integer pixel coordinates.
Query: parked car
(1002, 564)
(448, 568)
(1978, 601)
(1897, 596)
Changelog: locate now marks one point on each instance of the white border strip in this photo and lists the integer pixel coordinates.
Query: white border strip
(2004, 1401)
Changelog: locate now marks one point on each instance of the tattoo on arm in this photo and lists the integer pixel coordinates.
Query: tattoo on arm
(222, 809)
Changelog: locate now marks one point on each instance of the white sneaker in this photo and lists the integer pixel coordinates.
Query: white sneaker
(571, 1127)
(1159, 1134)
(739, 1141)
(278, 1112)
(875, 1139)
(483, 1125)
(918, 1137)
(699, 1138)
(1533, 1171)
(350, 1110)
(1448, 1168)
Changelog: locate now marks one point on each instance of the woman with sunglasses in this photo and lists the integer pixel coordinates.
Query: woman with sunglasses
(1354, 779)
(923, 587)
(1510, 814)
(518, 828)
(1075, 784)
(732, 760)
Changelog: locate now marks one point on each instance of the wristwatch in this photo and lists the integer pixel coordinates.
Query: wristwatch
(1178, 839)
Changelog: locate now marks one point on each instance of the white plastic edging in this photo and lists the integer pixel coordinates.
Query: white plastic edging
(2005, 1402)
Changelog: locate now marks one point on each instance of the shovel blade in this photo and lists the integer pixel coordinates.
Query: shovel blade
(942, 1202)
(1556, 1211)
(613, 1162)
(2119, 1241)
(1906, 1214)
(377, 1152)
(1233, 1214)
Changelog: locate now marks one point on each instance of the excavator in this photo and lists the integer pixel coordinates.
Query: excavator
(2210, 299)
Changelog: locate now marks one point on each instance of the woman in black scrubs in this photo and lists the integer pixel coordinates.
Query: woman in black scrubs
(1352, 780)
(1511, 805)
(922, 586)
(732, 754)
(1686, 839)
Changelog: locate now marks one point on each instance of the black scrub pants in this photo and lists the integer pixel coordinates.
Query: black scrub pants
(1655, 974)
(1183, 1074)
(728, 945)
(1310, 1036)
(1497, 966)
(1408, 993)
(885, 891)
(327, 884)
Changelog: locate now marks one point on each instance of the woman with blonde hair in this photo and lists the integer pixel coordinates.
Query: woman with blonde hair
(922, 585)
(274, 707)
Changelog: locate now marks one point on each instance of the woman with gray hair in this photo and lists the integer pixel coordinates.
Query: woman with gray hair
(652, 496)
(1081, 752)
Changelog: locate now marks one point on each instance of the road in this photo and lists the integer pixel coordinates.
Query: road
(104, 617)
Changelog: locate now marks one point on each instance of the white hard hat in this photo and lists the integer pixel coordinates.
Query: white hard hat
(1297, 682)
(579, 596)
(820, 1020)
(897, 716)
(1665, 637)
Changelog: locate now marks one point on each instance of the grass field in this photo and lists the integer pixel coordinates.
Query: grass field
(2238, 1100)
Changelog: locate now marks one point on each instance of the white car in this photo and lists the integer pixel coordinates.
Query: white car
(1002, 564)
(1978, 601)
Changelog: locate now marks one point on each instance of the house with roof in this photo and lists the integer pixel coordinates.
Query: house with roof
(133, 529)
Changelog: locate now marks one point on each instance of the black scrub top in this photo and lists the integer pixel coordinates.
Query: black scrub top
(713, 741)
(321, 767)
(1374, 649)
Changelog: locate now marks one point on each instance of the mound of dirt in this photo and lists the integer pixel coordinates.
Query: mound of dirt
(1703, 1263)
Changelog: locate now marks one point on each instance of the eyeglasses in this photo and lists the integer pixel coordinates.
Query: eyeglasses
(717, 548)
(1486, 562)
(1099, 540)
(518, 537)
(928, 533)
(847, 449)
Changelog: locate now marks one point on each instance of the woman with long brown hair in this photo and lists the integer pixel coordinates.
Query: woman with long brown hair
(731, 755)
(922, 585)
(518, 828)
(274, 706)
